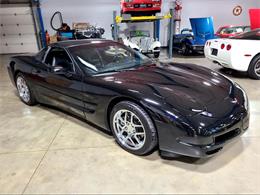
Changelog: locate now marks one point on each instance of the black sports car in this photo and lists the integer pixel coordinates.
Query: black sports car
(181, 108)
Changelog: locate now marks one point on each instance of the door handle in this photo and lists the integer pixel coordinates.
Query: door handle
(68, 74)
(34, 71)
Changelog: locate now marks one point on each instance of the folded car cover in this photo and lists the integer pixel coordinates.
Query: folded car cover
(254, 18)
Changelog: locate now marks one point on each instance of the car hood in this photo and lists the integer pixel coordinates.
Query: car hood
(203, 29)
(180, 86)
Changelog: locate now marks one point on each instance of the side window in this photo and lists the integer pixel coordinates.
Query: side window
(58, 57)
(247, 29)
(88, 57)
(40, 55)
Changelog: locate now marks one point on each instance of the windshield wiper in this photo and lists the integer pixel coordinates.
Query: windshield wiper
(128, 68)
(110, 71)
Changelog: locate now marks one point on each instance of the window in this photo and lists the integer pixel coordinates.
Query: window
(139, 33)
(233, 30)
(247, 29)
(40, 55)
(106, 57)
(59, 57)
(186, 31)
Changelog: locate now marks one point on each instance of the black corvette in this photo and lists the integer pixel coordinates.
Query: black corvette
(180, 108)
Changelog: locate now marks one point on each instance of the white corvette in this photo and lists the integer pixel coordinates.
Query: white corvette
(240, 53)
(143, 42)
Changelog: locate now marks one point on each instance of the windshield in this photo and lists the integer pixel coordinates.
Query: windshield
(107, 57)
(139, 33)
(252, 35)
(186, 31)
(232, 30)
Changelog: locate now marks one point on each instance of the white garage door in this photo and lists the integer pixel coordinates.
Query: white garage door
(17, 31)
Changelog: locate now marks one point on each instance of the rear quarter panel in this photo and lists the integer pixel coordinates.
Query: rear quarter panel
(22, 64)
(242, 53)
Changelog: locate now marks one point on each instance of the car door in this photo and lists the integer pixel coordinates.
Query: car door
(63, 83)
(96, 92)
(39, 73)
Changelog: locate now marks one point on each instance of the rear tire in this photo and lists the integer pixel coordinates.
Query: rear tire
(133, 128)
(24, 91)
(254, 68)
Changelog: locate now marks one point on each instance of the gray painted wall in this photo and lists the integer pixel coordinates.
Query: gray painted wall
(100, 12)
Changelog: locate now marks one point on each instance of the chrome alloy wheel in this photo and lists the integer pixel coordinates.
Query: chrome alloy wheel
(129, 129)
(257, 68)
(23, 89)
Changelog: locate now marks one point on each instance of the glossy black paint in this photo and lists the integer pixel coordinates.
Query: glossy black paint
(191, 106)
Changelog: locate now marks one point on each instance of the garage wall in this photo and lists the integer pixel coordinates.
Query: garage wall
(17, 31)
(97, 12)
(221, 10)
(100, 12)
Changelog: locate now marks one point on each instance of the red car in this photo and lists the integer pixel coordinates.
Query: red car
(141, 7)
(231, 30)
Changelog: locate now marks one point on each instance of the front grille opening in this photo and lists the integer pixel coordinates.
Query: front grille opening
(227, 136)
(213, 151)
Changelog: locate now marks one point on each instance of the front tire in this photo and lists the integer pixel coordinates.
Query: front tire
(156, 54)
(132, 128)
(24, 91)
(184, 49)
(254, 68)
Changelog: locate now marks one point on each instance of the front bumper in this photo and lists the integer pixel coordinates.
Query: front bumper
(175, 142)
(218, 60)
(136, 7)
(11, 74)
(149, 51)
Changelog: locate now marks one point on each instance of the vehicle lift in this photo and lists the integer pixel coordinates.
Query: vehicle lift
(156, 21)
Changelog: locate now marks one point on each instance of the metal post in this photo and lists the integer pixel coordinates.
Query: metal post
(156, 31)
(115, 27)
(39, 20)
(170, 52)
(35, 25)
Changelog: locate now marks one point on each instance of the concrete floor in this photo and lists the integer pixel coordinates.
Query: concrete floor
(43, 150)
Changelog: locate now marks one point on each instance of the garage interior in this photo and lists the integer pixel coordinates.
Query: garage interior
(44, 150)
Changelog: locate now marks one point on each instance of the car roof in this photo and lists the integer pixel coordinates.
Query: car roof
(73, 43)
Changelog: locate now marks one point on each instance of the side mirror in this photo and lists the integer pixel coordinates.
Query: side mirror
(58, 69)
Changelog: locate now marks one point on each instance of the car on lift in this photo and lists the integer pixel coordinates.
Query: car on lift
(193, 40)
(241, 53)
(231, 31)
(141, 7)
(179, 108)
(141, 40)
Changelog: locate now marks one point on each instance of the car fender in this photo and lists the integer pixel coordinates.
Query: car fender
(130, 44)
(155, 44)
(126, 42)
(188, 41)
(134, 46)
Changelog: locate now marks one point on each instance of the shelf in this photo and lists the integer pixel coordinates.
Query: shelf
(131, 19)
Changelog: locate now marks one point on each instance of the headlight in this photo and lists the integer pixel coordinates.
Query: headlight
(246, 102)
